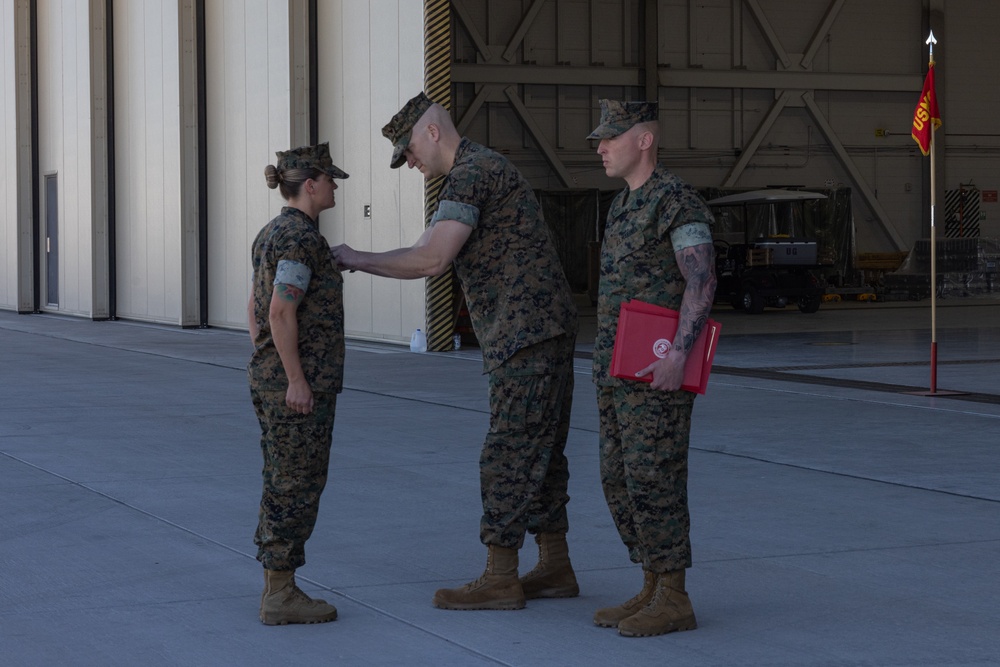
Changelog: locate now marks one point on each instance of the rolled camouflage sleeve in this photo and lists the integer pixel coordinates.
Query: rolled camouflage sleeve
(290, 272)
(690, 235)
(452, 210)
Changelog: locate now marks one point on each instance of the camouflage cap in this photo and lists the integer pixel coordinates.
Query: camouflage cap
(618, 117)
(399, 128)
(306, 157)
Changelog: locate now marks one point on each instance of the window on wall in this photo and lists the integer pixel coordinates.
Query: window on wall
(51, 240)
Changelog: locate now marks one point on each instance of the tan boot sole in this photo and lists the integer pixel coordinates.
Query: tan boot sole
(678, 626)
(610, 623)
(612, 620)
(276, 619)
(495, 605)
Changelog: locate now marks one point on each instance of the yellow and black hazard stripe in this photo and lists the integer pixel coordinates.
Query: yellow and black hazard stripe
(441, 310)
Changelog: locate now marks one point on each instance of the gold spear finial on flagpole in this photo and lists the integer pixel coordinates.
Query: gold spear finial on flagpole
(931, 41)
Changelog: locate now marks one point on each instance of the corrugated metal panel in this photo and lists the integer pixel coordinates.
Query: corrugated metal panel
(249, 118)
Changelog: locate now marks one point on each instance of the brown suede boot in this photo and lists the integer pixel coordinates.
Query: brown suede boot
(609, 617)
(283, 602)
(553, 576)
(669, 611)
(497, 588)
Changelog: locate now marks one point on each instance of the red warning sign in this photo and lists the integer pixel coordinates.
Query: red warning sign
(989, 196)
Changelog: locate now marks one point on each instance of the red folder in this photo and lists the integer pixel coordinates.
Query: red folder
(645, 333)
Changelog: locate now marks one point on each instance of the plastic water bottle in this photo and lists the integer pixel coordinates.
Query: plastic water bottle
(456, 342)
(418, 341)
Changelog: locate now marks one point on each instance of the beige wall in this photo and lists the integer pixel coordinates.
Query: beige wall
(370, 63)
(249, 118)
(147, 160)
(64, 143)
(8, 160)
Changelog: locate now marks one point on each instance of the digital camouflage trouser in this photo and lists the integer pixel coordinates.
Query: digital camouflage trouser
(644, 463)
(296, 451)
(523, 470)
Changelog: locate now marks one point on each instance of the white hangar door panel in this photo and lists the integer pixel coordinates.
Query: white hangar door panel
(248, 119)
(371, 60)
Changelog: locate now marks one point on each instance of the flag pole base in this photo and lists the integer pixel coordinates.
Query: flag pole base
(937, 392)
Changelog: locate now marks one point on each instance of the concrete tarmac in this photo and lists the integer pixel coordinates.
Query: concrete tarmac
(836, 518)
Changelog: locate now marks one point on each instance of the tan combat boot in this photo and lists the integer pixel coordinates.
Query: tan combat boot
(497, 588)
(283, 602)
(609, 617)
(669, 611)
(553, 576)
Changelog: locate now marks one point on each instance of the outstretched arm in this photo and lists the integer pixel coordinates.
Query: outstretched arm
(431, 255)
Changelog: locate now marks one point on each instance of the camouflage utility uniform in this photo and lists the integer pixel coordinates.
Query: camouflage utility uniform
(644, 432)
(296, 447)
(523, 314)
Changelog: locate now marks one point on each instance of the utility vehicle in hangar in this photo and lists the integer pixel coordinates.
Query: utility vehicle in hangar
(770, 265)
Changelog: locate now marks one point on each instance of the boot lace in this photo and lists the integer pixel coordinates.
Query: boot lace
(639, 596)
(299, 595)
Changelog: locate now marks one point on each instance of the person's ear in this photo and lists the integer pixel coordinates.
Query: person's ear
(434, 131)
(645, 140)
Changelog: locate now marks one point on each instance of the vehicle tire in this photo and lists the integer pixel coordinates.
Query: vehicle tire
(809, 304)
(753, 303)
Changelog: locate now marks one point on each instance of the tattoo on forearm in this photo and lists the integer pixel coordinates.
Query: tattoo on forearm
(288, 292)
(698, 267)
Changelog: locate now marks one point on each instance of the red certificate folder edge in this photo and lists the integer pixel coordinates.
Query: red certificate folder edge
(666, 324)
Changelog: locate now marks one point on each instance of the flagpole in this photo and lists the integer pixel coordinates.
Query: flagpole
(926, 119)
(933, 276)
(931, 42)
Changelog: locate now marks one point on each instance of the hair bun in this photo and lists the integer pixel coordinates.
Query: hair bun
(272, 175)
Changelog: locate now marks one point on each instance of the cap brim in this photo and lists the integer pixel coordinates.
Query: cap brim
(399, 152)
(604, 132)
(398, 158)
(333, 171)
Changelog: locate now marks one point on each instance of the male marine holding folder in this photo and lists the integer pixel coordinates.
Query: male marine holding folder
(657, 248)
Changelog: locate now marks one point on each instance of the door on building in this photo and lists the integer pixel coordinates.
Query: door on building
(51, 241)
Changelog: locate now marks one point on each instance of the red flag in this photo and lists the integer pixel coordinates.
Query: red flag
(926, 116)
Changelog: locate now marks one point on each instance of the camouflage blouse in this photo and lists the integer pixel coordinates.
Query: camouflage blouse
(514, 284)
(637, 255)
(294, 237)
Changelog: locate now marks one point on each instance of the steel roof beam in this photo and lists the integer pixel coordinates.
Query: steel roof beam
(684, 78)
(845, 159)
